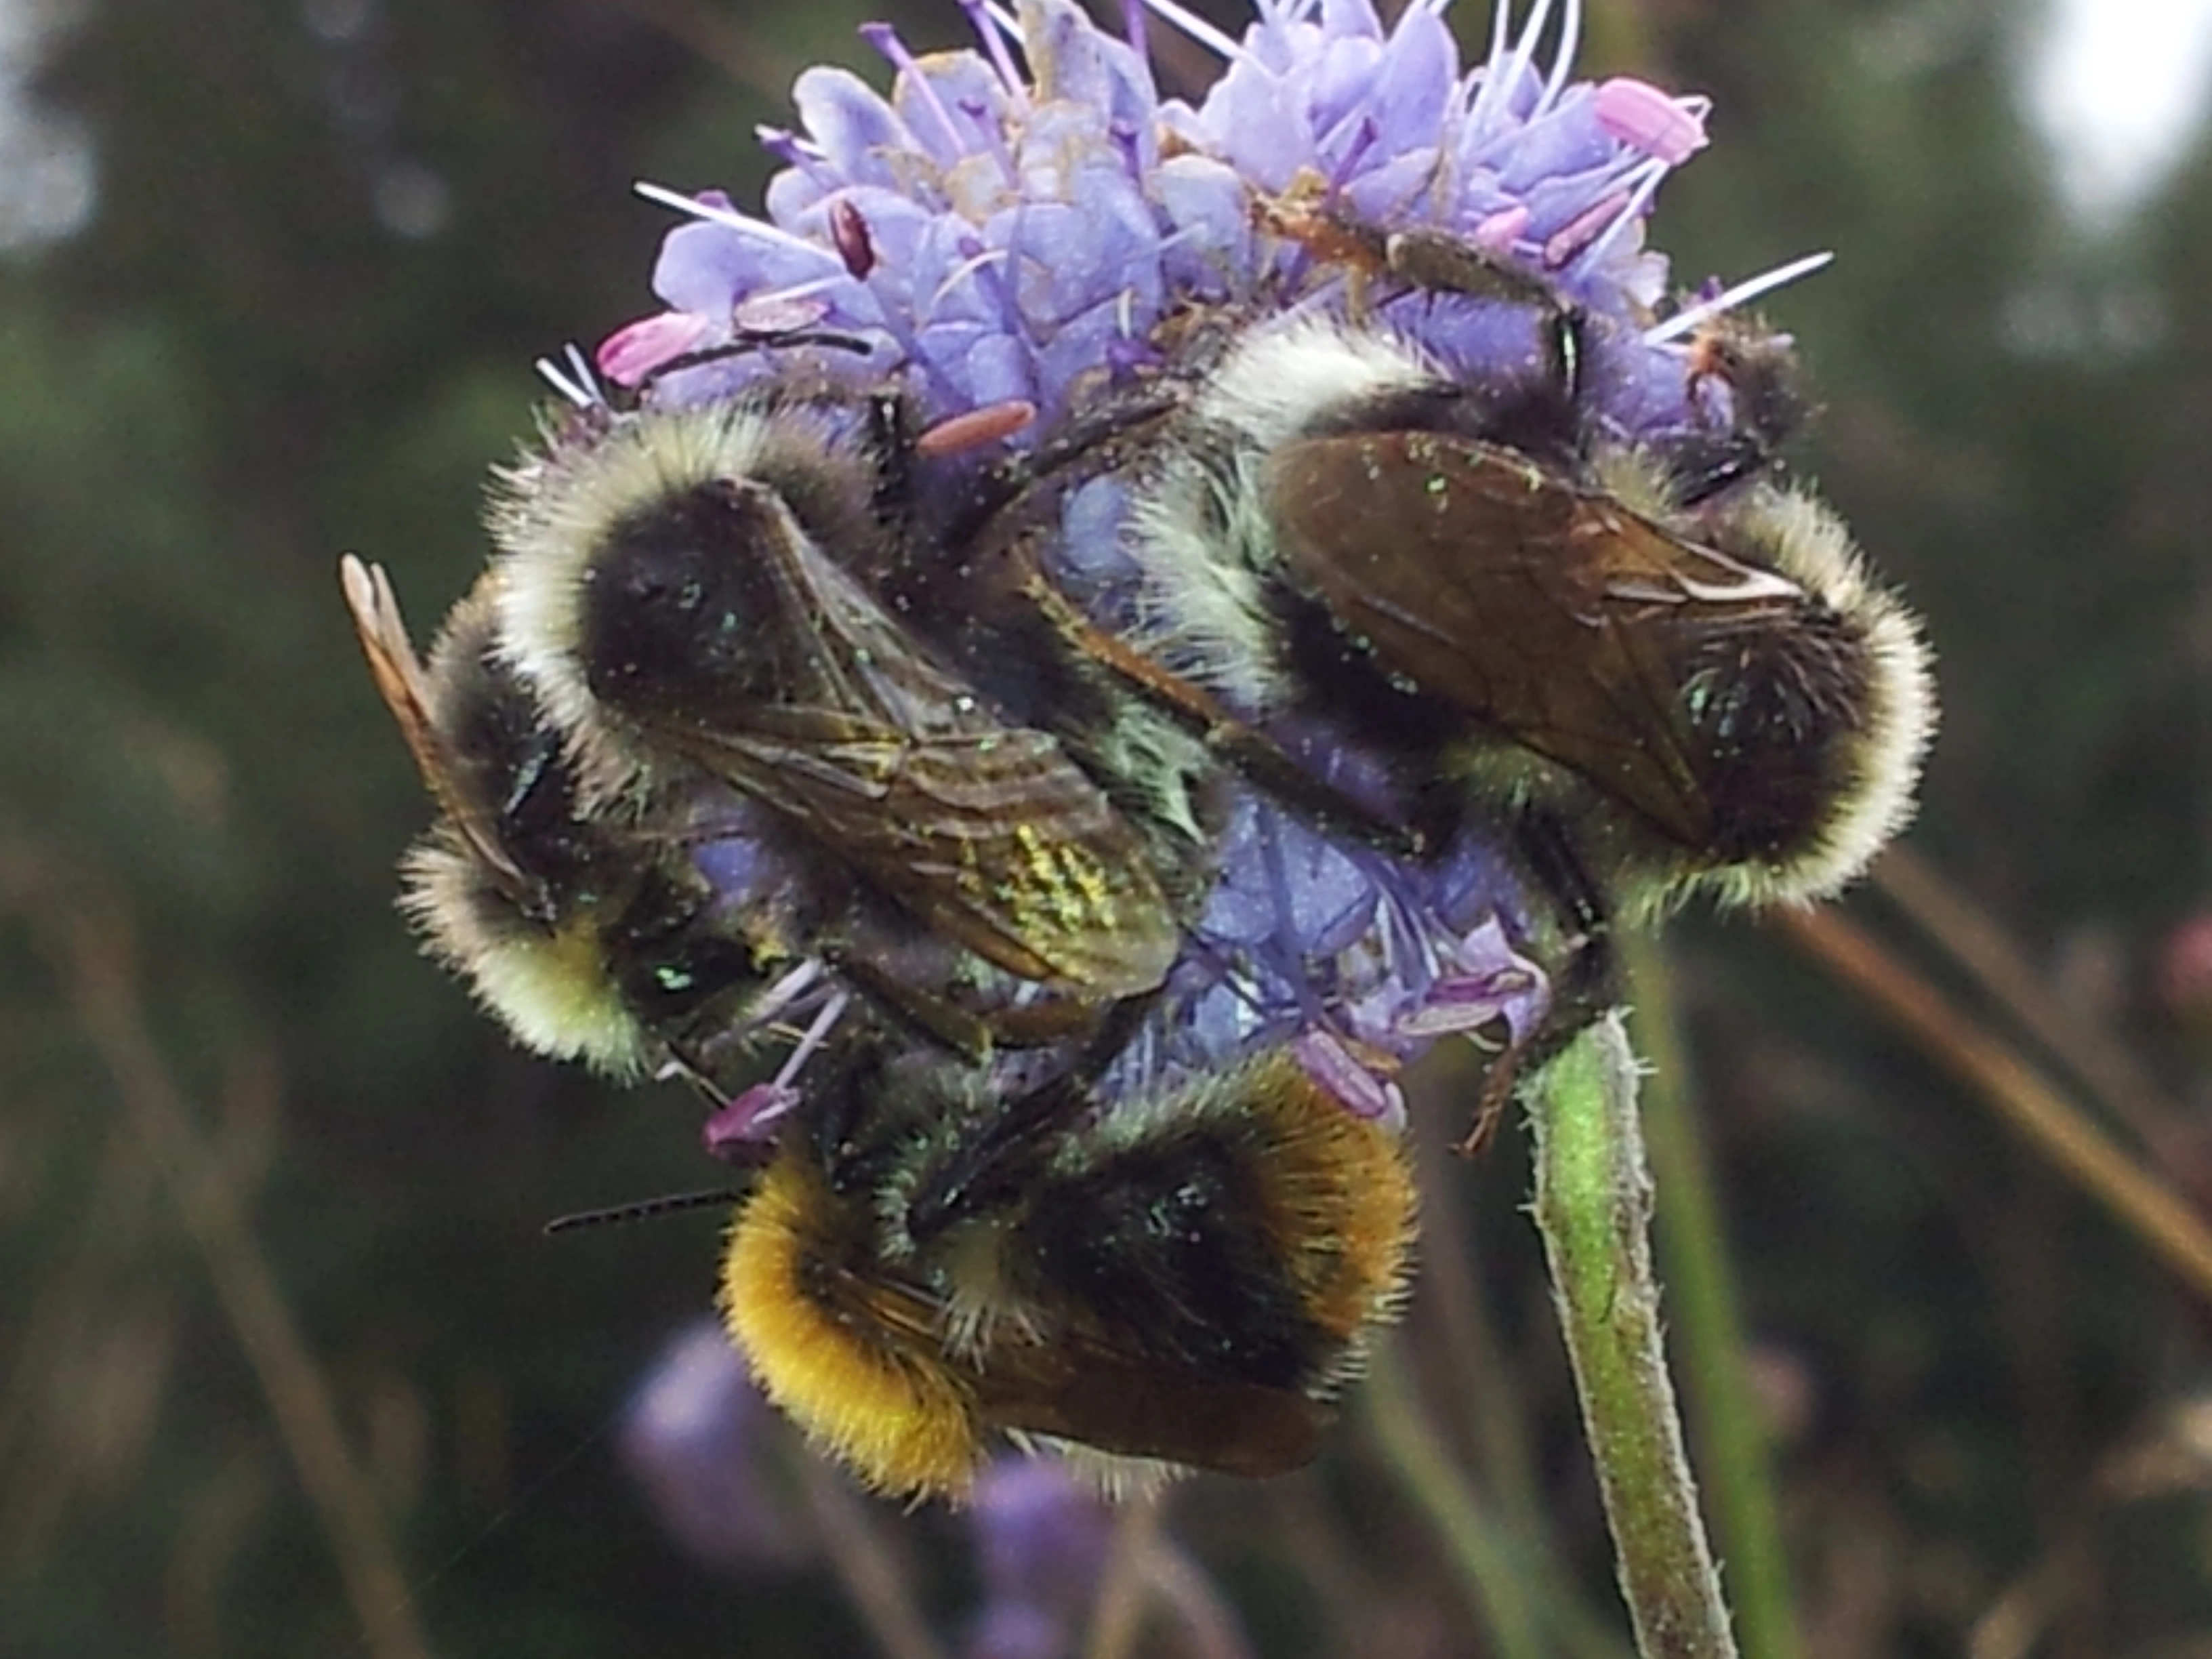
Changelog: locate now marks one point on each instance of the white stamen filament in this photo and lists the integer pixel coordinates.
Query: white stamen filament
(1570, 40)
(758, 229)
(785, 991)
(1522, 59)
(1685, 321)
(572, 379)
(816, 1034)
(1197, 28)
(968, 268)
(1645, 180)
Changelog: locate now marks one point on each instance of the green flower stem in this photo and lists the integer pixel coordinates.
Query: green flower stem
(1726, 1421)
(1593, 1207)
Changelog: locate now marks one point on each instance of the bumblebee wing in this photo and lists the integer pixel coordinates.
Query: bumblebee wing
(1100, 1399)
(1557, 614)
(998, 839)
(989, 830)
(406, 689)
(1078, 1390)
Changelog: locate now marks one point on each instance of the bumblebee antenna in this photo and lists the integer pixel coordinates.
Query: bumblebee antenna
(644, 1209)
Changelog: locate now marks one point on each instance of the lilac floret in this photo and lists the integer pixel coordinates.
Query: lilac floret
(1358, 958)
(1026, 235)
(1042, 1536)
(854, 131)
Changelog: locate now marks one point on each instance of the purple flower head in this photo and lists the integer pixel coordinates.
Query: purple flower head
(1358, 960)
(1028, 223)
(990, 232)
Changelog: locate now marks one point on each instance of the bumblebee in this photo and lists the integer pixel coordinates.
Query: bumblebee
(1681, 664)
(940, 1253)
(680, 718)
(677, 931)
(707, 592)
(598, 937)
(1177, 1278)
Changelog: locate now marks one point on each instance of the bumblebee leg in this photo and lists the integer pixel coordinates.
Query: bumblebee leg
(1000, 1162)
(974, 1036)
(1247, 748)
(1586, 986)
(1011, 497)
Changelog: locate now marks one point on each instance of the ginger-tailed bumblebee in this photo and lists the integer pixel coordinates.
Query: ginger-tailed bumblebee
(1182, 1279)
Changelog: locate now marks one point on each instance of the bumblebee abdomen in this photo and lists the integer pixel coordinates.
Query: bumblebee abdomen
(853, 1356)
(1252, 1233)
(1165, 1246)
(1775, 716)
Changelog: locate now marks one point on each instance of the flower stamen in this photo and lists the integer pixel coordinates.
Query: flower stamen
(1197, 28)
(1687, 321)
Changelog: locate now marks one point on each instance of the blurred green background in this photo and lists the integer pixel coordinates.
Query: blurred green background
(285, 1365)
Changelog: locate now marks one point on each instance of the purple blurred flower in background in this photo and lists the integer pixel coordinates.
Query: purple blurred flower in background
(1041, 1536)
(692, 1436)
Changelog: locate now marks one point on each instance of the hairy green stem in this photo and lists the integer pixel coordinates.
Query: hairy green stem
(1594, 1207)
(1730, 1429)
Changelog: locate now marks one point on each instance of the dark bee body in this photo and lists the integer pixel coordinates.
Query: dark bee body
(1682, 667)
(1766, 405)
(1713, 697)
(672, 925)
(738, 647)
(591, 935)
(1182, 1279)
(707, 591)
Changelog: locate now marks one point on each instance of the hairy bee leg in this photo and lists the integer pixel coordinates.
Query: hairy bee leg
(1251, 751)
(1009, 496)
(1443, 262)
(932, 1017)
(995, 1162)
(751, 340)
(1703, 469)
(1051, 1019)
(1584, 988)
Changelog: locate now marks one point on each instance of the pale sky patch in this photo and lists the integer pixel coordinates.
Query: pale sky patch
(46, 177)
(2118, 86)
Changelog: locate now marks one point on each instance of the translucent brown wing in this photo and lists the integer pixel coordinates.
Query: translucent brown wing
(405, 687)
(987, 831)
(1557, 616)
(1106, 1400)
